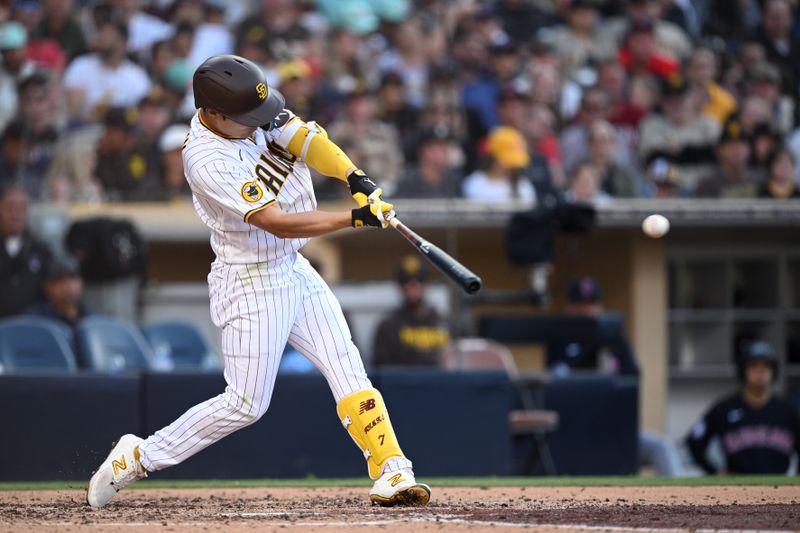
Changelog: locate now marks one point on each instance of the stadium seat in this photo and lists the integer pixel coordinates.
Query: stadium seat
(183, 343)
(112, 345)
(30, 344)
(484, 354)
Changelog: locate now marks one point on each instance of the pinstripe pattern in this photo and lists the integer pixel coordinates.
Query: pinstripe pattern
(263, 293)
(217, 169)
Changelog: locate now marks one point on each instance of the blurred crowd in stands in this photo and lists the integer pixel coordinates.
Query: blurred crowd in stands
(485, 99)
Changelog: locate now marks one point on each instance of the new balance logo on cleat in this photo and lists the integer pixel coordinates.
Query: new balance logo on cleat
(399, 488)
(115, 474)
(119, 465)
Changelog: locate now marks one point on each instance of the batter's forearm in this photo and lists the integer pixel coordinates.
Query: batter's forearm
(299, 225)
(321, 154)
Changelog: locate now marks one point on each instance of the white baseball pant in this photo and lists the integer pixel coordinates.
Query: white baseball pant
(259, 308)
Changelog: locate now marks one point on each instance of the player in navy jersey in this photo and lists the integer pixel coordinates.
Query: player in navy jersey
(758, 431)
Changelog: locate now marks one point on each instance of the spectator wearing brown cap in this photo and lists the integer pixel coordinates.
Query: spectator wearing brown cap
(731, 177)
(255, 44)
(502, 178)
(780, 182)
(680, 132)
(124, 169)
(280, 21)
(414, 334)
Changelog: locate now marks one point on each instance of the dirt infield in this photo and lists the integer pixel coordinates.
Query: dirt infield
(332, 510)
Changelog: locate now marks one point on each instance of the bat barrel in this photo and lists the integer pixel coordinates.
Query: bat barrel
(468, 280)
(448, 266)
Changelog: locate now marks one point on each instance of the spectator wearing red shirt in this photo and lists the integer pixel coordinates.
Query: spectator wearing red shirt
(613, 79)
(639, 54)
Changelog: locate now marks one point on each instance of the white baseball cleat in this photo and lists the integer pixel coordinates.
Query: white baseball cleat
(399, 488)
(120, 469)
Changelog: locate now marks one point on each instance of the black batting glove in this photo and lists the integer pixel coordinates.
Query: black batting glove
(363, 189)
(376, 215)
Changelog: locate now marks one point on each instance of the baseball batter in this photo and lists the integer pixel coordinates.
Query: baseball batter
(247, 160)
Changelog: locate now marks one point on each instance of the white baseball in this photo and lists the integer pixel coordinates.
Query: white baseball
(655, 226)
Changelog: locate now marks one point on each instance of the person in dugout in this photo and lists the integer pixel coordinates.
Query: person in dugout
(414, 334)
(758, 431)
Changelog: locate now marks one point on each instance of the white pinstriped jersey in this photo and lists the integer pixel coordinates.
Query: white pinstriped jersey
(232, 178)
(262, 293)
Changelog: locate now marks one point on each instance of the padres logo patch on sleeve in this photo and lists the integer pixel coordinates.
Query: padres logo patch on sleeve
(252, 192)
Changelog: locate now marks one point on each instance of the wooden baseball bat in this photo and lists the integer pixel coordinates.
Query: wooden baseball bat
(448, 266)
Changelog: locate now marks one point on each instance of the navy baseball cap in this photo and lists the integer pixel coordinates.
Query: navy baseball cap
(585, 290)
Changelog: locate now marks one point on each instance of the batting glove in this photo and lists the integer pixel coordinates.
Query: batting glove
(363, 189)
(376, 214)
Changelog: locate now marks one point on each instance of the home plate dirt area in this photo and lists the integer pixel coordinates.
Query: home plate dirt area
(496, 509)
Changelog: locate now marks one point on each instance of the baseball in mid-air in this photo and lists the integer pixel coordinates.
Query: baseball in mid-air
(655, 226)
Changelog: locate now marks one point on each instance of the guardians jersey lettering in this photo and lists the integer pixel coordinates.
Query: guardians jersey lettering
(231, 179)
(755, 440)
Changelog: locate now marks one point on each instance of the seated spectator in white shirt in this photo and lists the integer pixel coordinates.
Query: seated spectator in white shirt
(95, 82)
(584, 187)
(502, 179)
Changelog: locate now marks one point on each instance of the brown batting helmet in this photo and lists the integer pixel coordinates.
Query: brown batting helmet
(236, 88)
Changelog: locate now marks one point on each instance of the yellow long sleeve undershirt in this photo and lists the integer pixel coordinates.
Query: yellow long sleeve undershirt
(321, 154)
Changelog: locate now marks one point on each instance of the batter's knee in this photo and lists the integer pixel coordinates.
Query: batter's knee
(244, 409)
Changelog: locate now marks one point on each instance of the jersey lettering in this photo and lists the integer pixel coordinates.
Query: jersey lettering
(283, 155)
(271, 174)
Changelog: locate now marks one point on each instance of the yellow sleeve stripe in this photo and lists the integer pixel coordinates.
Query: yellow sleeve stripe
(256, 210)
